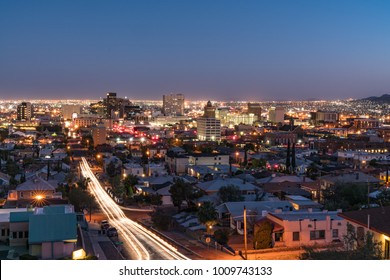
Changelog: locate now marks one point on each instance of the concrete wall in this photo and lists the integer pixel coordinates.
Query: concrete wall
(56, 250)
(4, 231)
(20, 229)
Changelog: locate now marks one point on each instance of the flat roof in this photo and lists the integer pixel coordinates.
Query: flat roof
(299, 215)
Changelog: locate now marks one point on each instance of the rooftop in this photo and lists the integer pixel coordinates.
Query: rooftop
(379, 218)
(302, 215)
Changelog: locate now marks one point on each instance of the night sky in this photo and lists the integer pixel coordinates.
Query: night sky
(219, 50)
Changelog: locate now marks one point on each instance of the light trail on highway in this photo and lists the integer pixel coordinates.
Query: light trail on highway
(142, 243)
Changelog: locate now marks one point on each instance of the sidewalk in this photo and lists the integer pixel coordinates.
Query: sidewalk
(102, 246)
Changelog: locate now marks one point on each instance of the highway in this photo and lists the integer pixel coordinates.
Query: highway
(138, 241)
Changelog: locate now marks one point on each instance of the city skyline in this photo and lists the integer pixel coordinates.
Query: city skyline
(224, 50)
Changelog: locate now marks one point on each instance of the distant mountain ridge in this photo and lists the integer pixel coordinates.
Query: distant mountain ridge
(385, 98)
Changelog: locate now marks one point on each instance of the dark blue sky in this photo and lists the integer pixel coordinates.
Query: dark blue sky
(226, 50)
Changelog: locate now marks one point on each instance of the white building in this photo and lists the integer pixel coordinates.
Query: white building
(307, 228)
(133, 169)
(209, 129)
(208, 159)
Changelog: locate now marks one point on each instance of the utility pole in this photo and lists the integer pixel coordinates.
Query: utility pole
(245, 235)
(368, 194)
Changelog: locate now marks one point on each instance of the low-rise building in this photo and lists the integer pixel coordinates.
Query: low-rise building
(231, 214)
(307, 228)
(133, 169)
(208, 159)
(373, 220)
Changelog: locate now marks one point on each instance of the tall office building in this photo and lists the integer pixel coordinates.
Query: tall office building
(68, 111)
(209, 129)
(24, 111)
(115, 107)
(173, 104)
(110, 104)
(209, 110)
(254, 108)
(99, 134)
(276, 114)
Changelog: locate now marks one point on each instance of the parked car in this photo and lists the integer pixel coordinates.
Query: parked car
(111, 232)
(104, 224)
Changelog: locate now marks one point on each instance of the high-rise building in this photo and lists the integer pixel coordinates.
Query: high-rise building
(254, 108)
(68, 111)
(276, 114)
(321, 117)
(173, 104)
(110, 104)
(99, 134)
(209, 110)
(115, 107)
(24, 111)
(209, 129)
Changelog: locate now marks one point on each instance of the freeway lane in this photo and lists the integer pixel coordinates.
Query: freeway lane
(141, 243)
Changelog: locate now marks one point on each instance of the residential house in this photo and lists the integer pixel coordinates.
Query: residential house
(301, 203)
(373, 220)
(133, 169)
(247, 190)
(306, 228)
(208, 159)
(357, 178)
(231, 214)
(203, 172)
(33, 189)
(177, 161)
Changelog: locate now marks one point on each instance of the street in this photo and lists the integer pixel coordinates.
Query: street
(139, 243)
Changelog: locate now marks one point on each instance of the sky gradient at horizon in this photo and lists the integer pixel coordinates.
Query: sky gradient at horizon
(221, 50)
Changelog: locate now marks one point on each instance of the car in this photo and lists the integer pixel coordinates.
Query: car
(104, 224)
(111, 232)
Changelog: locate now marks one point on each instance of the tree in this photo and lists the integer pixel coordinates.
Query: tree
(262, 238)
(256, 163)
(12, 168)
(288, 162)
(230, 193)
(112, 170)
(383, 197)
(293, 159)
(207, 215)
(247, 147)
(129, 183)
(82, 199)
(344, 196)
(362, 246)
(222, 236)
(161, 220)
(180, 192)
(119, 189)
(83, 183)
(357, 247)
(312, 171)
